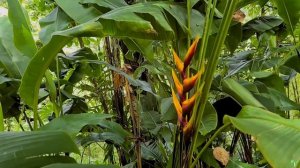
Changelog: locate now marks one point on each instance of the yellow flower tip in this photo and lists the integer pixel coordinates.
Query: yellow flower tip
(188, 105)
(177, 83)
(190, 82)
(177, 106)
(179, 64)
(191, 52)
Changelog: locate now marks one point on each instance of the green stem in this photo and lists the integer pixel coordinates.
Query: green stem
(211, 67)
(189, 21)
(209, 142)
(59, 102)
(35, 118)
(1, 119)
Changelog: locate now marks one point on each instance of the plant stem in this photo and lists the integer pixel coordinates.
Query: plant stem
(209, 142)
(212, 65)
(189, 22)
(59, 102)
(1, 119)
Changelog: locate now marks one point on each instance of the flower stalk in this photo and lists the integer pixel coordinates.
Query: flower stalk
(183, 104)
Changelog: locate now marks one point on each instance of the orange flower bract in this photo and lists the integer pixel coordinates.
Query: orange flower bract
(185, 105)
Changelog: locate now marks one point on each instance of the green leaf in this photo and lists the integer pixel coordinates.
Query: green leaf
(141, 20)
(31, 81)
(23, 38)
(281, 101)
(68, 165)
(77, 11)
(28, 149)
(12, 60)
(238, 164)
(277, 138)
(293, 62)
(239, 93)
(260, 25)
(234, 37)
(178, 12)
(111, 4)
(209, 119)
(72, 123)
(208, 158)
(167, 110)
(288, 10)
(57, 20)
(150, 119)
(270, 79)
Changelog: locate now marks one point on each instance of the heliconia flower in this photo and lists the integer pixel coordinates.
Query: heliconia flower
(190, 53)
(177, 105)
(177, 83)
(187, 105)
(179, 64)
(189, 83)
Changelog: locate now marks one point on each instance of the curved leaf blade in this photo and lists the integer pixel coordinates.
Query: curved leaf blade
(276, 137)
(22, 148)
(240, 93)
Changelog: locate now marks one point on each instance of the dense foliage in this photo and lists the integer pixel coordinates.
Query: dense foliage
(136, 83)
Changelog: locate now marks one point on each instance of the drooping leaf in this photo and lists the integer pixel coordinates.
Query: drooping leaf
(28, 149)
(277, 138)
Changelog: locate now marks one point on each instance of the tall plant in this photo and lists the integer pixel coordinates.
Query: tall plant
(190, 111)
